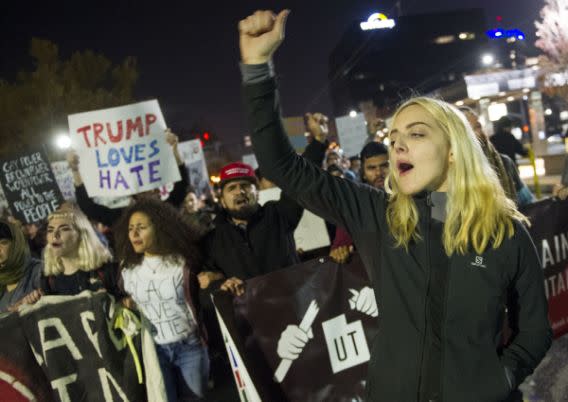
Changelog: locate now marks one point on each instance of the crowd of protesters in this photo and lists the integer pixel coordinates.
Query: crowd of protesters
(201, 246)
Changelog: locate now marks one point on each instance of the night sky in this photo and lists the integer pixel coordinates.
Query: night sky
(188, 54)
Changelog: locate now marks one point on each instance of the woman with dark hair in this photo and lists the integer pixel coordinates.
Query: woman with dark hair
(159, 257)
(19, 272)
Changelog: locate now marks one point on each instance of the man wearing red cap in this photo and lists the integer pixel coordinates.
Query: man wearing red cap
(248, 240)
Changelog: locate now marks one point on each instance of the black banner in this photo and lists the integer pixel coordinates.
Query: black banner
(30, 187)
(549, 231)
(319, 296)
(70, 349)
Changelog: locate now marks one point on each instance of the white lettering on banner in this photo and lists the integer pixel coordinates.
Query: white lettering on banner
(87, 316)
(554, 255)
(60, 385)
(346, 343)
(556, 284)
(160, 300)
(105, 376)
(63, 340)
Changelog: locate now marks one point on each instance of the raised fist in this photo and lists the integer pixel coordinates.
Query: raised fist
(364, 301)
(260, 35)
(317, 125)
(73, 160)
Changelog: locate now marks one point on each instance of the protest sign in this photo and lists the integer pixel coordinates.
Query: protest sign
(123, 150)
(318, 296)
(192, 154)
(65, 349)
(64, 178)
(30, 187)
(295, 129)
(250, 159)
(3, 202)
(549, 231)
(352, 133)
(311, 232)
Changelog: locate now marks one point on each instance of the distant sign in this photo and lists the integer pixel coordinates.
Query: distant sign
(377, 21)
(250, 159)
(311, 232)
(480, 85)
(352, 133)
(194, 160)
(123, 150)
(30, 187)
(64, 178)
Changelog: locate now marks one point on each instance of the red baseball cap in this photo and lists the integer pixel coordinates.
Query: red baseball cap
(237, 171)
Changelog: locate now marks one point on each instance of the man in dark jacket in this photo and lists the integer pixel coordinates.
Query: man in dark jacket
(505, 142)
(249, 239)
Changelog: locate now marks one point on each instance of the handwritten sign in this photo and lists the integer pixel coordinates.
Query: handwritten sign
(64, 179)
(194, 161)
(352, 133)
(311, 232)
(30, 187)
(123, 150)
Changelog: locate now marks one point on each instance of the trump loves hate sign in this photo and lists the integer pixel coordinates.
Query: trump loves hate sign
(123, 150)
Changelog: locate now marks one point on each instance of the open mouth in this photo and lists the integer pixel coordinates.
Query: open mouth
(241, 202)
(137, 243)
(404, 167)
(56, 245)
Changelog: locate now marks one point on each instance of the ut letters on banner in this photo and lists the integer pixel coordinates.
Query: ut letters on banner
(332, 365)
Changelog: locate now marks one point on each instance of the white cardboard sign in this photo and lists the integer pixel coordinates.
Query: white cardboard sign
(123, 150)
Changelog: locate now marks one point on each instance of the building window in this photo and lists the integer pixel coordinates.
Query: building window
(444, 39)
(466, 36)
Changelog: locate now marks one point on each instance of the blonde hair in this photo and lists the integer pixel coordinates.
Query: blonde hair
(478, 213)
(92, 253)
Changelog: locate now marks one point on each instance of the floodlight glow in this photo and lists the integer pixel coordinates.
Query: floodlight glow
(487, 59)
(63, 141)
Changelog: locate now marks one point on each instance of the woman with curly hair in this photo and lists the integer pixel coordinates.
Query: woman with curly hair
(75, 259)
(159, 257)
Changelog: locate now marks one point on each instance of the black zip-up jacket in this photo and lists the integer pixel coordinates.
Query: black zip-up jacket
(266, 243)
(472, 366)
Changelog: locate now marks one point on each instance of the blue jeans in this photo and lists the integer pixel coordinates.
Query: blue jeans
(187, 359)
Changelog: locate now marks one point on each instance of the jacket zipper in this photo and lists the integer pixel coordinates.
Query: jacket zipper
(429, 273)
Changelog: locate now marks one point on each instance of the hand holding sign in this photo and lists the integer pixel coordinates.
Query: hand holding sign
(292, 342)
(364, 301)
(260, 35)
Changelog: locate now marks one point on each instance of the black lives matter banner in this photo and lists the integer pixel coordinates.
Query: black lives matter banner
(314, 295)
(30, 187)
(549, 231)
(66, 351)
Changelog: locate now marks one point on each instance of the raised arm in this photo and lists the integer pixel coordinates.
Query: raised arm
(333, 198)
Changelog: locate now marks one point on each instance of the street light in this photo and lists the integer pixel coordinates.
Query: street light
(487, 59)
(63, 141)
(353, 113)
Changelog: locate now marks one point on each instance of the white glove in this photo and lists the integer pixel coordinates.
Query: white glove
(292, 342)
(364, 301)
